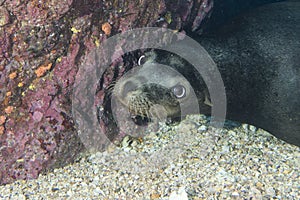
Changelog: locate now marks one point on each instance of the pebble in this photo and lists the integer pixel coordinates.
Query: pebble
(181, 194)
(235, 194)
(202, 128)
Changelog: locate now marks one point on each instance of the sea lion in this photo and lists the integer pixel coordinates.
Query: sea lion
(258, 57)
(155, 83)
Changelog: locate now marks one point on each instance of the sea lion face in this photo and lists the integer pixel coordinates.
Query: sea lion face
(154, 90)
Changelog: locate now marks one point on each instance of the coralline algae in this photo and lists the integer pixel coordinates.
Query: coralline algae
(42, 44)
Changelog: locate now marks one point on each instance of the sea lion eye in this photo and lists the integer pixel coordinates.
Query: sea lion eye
(142, 60)
(179, 91)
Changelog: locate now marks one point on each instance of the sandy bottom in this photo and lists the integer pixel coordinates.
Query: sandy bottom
(186, 161)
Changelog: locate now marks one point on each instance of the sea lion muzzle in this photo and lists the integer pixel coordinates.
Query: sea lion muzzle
(144, 100)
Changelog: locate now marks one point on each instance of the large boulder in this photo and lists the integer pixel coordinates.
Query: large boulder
(42, 44)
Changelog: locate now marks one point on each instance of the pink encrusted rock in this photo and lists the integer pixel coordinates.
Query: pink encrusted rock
(37, 116)
(42, 43)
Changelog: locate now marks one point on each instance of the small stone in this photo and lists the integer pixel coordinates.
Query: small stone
(235, 194)
(152, 135)
(134, 143)
(20, 197)
(225, 149)
(245, 127)
(127, 149)
(255, 193)
(252, 128)
(54, 189)
(230, 132)
(69, 193)
(181, 194)
(125, 141)
(259, 185)
(154, 196)
(98, 191)
(202, 128)
(271, 192)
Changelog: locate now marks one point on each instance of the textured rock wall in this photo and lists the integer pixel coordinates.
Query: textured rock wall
(42, 44)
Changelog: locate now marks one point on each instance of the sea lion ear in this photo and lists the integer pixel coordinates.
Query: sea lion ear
(142, 60)
(147, 57)
(207, 99)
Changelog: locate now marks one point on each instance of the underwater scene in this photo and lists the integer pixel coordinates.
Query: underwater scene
(140, 99)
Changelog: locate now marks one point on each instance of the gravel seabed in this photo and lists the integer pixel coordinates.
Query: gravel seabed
(187, 161)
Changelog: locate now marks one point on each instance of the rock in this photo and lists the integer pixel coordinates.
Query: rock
(42, 43)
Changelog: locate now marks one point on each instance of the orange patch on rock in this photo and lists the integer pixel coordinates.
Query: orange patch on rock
(2, 119)
(8, 109)
(8, 94)
(1, 130)
(12, 75)
(106, 28)
(21, 84)
(42, 69)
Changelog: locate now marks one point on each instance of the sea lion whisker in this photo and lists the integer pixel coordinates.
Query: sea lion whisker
(148, 114)
(141, 111)
(135, 110)
(111, 86)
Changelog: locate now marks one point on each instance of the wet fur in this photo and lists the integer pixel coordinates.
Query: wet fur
(258, 57)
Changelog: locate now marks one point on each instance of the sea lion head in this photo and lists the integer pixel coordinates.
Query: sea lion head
(154, 90)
